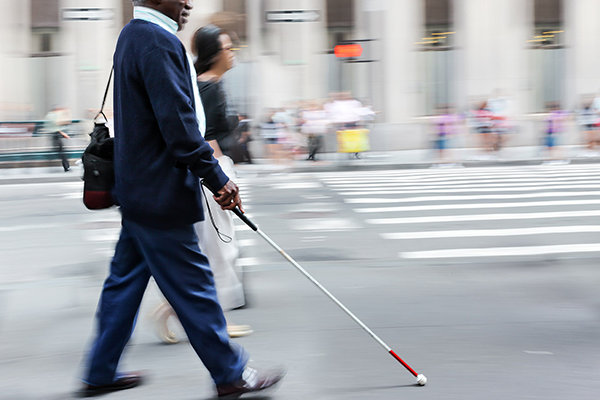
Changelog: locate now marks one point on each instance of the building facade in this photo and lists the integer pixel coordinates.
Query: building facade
(416, 56)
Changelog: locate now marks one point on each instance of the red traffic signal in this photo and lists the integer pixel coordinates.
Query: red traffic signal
(348, 50)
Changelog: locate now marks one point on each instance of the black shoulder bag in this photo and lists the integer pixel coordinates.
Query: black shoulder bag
(98, 166)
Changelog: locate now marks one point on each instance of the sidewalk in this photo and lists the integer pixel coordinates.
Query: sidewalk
(330, 162)
(416, 159)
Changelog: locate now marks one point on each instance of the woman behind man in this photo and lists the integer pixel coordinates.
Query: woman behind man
(213, 48)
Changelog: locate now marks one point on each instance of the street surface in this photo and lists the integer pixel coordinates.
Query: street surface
(483, 279)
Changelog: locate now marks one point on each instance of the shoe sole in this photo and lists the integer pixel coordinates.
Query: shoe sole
(93, 393)
(240, 333)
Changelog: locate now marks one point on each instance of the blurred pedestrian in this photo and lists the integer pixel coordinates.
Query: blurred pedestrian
(483, 126)
(272, 134)
(343, 110)
(315, 124)
(499, 108)
(55, 123)
(213, 49)
(587, 120)
(244, 137)
(553, 130)
(159, 155)
(290, 141)
(346, 115)
(446, 125)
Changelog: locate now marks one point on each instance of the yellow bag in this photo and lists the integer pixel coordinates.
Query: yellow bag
(353, 141)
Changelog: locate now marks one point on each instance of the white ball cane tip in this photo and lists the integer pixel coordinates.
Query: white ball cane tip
(421, 379)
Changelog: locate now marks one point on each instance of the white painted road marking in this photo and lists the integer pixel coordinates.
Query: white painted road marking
(471, 190)
(28, 227)
(504, 251)
(491, 232)
(483, 217)
(324, 224)
(471, 206)
(448, 182)
(380, 200)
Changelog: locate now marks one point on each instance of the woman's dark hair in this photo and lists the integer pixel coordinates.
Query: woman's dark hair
(206, 46)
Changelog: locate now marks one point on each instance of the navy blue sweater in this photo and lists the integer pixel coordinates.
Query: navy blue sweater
(159, 151)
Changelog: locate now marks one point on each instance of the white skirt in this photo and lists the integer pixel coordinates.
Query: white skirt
(222, 256)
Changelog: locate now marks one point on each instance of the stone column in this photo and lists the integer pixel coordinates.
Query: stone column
(403, 27)
(491, 38)
(16, 90)
(87, 48)
(582, 37)
(290, 53)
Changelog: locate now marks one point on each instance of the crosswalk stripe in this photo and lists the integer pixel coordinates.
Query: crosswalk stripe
(484, 217)
(467, 190)
(103, 235)
(247, 262)
(28, 227)
(470, 190)
(393, 178)
(382, 200)
(545, 230)
(479, 205)
(296, 185)
(503, 251)
(458, 173)
(30, 185)
(470, 185)
(447, 182)
(488, 168)
(324, 224)
(246, 242)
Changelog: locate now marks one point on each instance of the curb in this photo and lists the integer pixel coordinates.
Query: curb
(34, 173)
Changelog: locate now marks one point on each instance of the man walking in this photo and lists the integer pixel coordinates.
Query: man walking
(159, 155)
(55, 122)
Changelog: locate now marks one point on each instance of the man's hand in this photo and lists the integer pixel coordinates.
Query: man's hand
(229, 197)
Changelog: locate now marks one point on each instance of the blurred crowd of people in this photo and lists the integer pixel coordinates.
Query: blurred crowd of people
(493, 124)
(299, 129)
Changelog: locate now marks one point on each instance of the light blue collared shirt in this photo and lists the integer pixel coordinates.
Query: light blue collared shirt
(160, 19)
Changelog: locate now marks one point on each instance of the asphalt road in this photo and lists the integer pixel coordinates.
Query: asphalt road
(483, 279)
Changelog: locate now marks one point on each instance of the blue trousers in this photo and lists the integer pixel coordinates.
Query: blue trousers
(182, 272)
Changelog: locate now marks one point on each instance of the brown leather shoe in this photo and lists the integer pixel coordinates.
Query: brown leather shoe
(253, 380)
(126, 381)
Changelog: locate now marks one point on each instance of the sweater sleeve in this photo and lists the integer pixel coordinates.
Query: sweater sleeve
(166, 76)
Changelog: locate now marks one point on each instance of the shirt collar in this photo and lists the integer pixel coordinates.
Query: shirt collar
(156, 17)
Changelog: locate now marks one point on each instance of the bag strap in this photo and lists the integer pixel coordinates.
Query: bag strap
(101, 112)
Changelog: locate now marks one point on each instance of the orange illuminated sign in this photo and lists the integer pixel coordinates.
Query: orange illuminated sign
(348, 50)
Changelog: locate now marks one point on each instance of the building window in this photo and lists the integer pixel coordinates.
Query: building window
(548, 23)
(45, 42)
(547, 54)
(45, 14)
(340, 21)
(436, 57)
(438, 23)
(340, 14)
(232, 19)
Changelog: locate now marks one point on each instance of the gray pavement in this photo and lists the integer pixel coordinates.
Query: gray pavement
(519, 326)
